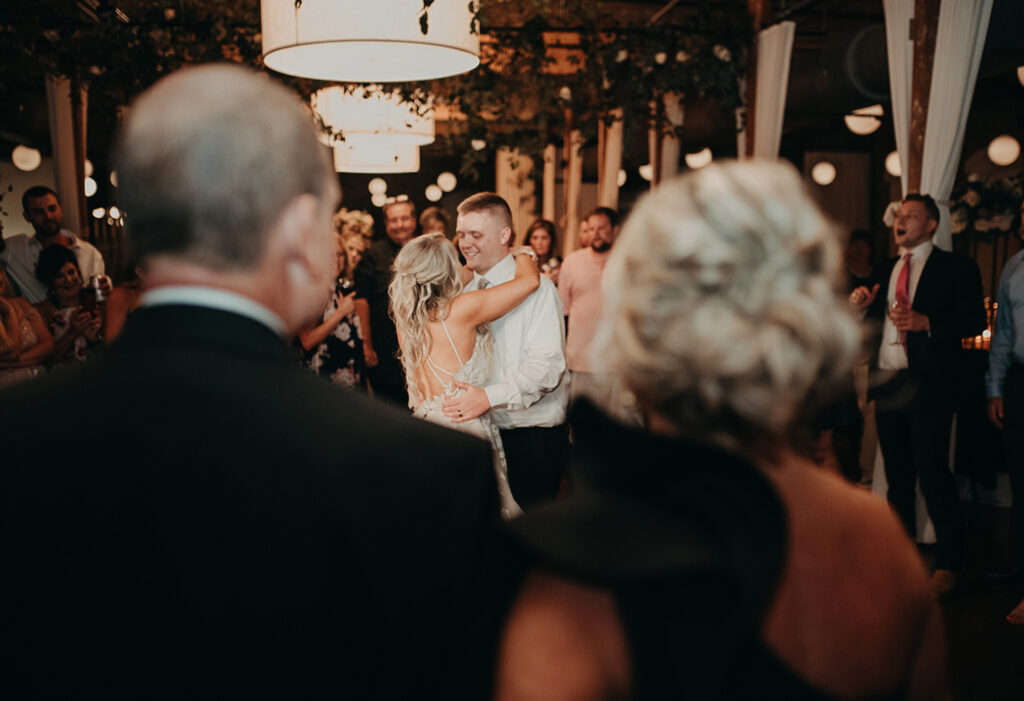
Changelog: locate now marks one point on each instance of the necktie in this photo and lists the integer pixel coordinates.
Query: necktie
(903, 291)
(483, 284)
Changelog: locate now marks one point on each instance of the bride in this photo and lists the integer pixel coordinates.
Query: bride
(445, 337)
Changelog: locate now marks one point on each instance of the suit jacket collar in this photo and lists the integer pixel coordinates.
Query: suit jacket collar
(184, 326)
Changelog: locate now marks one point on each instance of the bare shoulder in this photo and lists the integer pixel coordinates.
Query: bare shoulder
(563, 641)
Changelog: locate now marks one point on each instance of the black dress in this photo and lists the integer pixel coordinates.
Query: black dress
(690, 541)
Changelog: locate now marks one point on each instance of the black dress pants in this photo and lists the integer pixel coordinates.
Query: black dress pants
(1013, 440)
(915, 446)
(536, 459)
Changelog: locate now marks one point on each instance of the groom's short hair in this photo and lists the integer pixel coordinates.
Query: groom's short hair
(489, 202)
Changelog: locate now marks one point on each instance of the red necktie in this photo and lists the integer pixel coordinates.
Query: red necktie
(903, 291)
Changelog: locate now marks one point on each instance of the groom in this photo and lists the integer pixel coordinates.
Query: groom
(529, 387)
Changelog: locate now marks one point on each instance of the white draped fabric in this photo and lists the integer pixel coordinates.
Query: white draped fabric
(959, 42)
(900, 48)
(62, 140)
(774, 49)
(513, 182)
(548, 194)
(611, 163)
(670, 146)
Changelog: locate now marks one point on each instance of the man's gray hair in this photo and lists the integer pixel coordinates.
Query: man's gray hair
(208, 161)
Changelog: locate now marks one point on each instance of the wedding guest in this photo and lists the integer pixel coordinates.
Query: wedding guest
(333, 348)
(372, 277)
(859, 258)
(586, 233)
(70, 312)
(20, 256)
(434, 220)
(25, 341)
(1005, 390)
(540, 236)
(194, 516)
(925, 300)
(722, 565)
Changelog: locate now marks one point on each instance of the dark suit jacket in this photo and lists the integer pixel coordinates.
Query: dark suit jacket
(190, 514)
(949, 293)
(372, 277)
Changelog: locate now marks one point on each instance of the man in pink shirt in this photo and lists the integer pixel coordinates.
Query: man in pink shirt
(579, 285)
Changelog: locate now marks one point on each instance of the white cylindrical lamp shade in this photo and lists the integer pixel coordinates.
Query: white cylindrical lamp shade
(376, 158)
(364, 114)
(352, 42)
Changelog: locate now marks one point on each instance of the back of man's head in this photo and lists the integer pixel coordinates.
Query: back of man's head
(208, 161)
(490, 202)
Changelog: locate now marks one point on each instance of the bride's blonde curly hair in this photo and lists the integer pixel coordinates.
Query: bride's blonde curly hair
(721, 312)
(427, 278)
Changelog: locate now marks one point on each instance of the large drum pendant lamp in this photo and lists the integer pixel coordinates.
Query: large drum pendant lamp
(363, 114)
(360, 42)
(376, 157)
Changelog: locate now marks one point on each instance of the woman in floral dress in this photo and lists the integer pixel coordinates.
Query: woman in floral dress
(334, 347)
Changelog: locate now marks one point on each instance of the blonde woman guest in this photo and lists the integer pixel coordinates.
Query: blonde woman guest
(735, 568)
(25, 341)
(333, 348)
(444, 336)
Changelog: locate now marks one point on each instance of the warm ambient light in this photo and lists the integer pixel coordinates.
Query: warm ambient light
(892, 164)
(377, 186)
(447, 181)
(99, 213)
(620, 178)
(1020, 74)
(367, 114)
(114, 213)
(433, 193)
(90, 187)
(26, 158)
(376, 158)
(865, 120)
(699, 159)
(478, 144)
(823, 173)
(1003, 150)
(361, 43)
(378, 199)
(88, 168)
(646, 171)
(113, 178)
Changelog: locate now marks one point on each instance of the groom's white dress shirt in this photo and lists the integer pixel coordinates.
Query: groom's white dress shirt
(529, 384)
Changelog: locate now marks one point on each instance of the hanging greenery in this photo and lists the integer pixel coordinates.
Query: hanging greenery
(544, 63)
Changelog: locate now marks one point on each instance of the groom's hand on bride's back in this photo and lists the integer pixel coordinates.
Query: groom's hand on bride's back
(472, 403)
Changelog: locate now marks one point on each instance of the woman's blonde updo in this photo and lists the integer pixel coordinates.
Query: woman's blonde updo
(427, 277)
(721, 307)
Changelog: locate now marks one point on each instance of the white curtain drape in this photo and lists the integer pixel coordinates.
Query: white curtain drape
(959, 43)
(62, 141)
(611, 163)
(548, 194)
(774, 49)
(674, 113)
(900, 48)
(512, 181)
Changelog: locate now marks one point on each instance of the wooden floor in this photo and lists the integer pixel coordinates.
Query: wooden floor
(986, 653)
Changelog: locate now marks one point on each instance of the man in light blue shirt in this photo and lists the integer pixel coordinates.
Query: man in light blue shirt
(1004, 385)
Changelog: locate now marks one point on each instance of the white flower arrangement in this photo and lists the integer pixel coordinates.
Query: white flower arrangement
(985, 208)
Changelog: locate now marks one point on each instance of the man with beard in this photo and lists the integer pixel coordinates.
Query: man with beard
(579, 285)
(372, 277)
(42, 210)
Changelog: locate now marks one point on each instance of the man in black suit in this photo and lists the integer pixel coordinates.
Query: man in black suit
(191, 514)
(926, 300)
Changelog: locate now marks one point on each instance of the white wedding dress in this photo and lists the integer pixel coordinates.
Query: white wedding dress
(476, 371)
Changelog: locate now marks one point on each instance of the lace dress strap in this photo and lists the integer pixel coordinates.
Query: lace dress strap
(457, 356)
